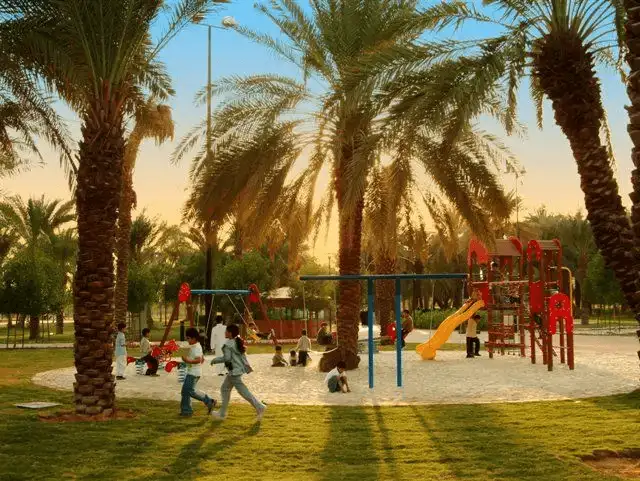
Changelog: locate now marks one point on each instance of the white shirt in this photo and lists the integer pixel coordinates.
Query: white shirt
(195, 352)
(217, 338)
(333, 373)
(145, 347)
(304, 344)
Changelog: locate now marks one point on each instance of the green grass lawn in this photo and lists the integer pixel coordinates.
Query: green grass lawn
(533, 441)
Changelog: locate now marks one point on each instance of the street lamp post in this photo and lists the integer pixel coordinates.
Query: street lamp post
(210, 235)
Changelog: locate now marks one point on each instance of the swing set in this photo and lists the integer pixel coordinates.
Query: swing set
(252, 295)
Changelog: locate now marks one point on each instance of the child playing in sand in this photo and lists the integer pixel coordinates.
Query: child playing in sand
(336, 379)
(194, 362)
(293, 358)
(121, 351)
(303, 348)
(235, 360)
(278, 358)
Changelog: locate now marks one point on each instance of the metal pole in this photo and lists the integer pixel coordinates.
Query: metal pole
(398, 332)
(208, 278)
(370, 303)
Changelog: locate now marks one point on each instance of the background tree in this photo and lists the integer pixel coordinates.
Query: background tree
(151, 121)
(101, 58)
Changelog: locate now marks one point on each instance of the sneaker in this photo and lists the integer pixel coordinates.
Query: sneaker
(478, 354)
(216, 416)
(470, 357)
(212, 405)
(261, 413)
(120, 378)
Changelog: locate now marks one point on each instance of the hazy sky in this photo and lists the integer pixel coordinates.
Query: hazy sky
(551, 177)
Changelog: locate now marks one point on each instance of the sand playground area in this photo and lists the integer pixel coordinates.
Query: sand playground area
(605, 365)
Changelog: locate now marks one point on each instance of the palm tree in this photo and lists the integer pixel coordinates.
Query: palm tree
(25, 115)
(64, 249)
(101, 58)
(152, 121)
(559, 44)
(341, 123)
(36, 223)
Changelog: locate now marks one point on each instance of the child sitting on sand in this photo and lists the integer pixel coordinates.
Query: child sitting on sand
(293, 358)
(278, 358)
(337, 378)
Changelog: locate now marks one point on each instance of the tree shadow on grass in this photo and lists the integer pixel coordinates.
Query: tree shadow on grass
(348, 452)
(476, 443)
(622, 402)
(387, 445)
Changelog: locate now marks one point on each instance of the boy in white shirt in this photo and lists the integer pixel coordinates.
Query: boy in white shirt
(194, 361)
(303, 348)
(337, 378)
(121, 351)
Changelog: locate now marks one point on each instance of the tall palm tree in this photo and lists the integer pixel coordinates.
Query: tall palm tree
(340, 122)
(558, 44)
(36, 223)
(101, 58)
(151, 121)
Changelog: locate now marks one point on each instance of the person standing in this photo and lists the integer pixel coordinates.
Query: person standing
(217, 341)
(303, 348)
(473, 343)
(121, 351)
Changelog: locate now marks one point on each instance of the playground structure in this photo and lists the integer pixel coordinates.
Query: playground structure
(524, 312)
(398, 278)
(287, 330)
(427, 350)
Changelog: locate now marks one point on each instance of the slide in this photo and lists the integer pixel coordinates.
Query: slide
(428, 349)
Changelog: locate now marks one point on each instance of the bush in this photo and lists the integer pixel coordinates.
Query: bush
(426, 319)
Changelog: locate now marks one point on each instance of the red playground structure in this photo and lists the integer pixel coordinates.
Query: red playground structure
(524, 312)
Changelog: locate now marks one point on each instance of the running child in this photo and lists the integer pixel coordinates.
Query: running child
(194, 361)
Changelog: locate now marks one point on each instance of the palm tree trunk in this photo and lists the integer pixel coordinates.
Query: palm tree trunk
(417, 299)
(123, 233)
(566, 73)
(101, 151)
(60, 313)
(349, 292)
(385, 292)
(633, 89)
(34, 327)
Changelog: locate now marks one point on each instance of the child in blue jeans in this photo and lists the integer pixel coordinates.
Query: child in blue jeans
(235, 360)
(194, 361)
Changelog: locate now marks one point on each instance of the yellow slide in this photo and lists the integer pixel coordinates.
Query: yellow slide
(428, 349)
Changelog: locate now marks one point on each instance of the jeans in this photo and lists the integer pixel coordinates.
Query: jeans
(303, 357)
(189, 391)
(149, 359)
(473, 346)
(236, 381)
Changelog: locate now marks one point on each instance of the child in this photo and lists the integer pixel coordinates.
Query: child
(303, 348)
(194, 362)
(293, 359)
(121, 351)
(217, 341)
(235, 360)
(407, 325)
(473, 343)
(145, 353)
(278, 358)
(337, 379)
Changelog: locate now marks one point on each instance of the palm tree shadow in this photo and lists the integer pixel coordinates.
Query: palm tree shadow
(387, 445)
(475, 438)
(348, 452)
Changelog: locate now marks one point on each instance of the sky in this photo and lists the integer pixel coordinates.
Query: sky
(551, 177)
